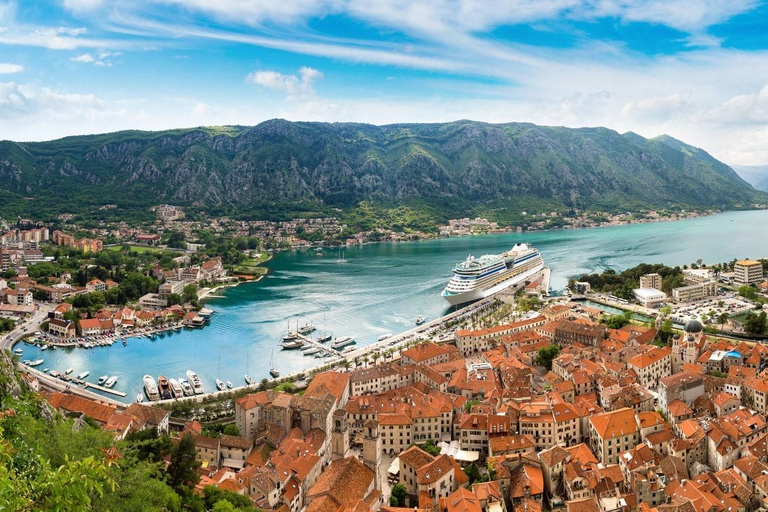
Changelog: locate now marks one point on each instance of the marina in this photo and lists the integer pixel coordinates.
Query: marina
(386, 287)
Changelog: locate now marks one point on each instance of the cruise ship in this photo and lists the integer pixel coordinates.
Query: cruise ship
(476, 278)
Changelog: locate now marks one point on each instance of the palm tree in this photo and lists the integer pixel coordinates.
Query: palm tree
(263, 384)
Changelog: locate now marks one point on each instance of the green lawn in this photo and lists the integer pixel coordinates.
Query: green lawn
(135, 248)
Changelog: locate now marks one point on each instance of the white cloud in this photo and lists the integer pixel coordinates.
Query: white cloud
(79, 6)
(8, 68)
(86, 57)
(293, 86)
(658, 109)
(744, 108)
(102, 58)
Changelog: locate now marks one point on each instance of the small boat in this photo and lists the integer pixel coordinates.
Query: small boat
(272, 371)
(220, 384)
(186, 388)
(291, 336)
(45, 370)
(176, 388)
(165, 388)
(44, 347)
(229, 385)
(249, 380)
(125, 343)
(54, 373)
(102, 379)
(384, 336)
(312, 351)
(68, 371)
(139, 398)
(150, 388)
(342, 342)
(83, 375)
(36, 362)
(18, 351)
(322, 338)
(292, 345)
(195, 382)
(420, 320)
(111, 381)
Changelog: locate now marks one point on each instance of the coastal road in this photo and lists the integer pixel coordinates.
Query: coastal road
(27, 327)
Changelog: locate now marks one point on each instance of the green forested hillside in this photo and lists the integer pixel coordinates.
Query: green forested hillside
(280, 167)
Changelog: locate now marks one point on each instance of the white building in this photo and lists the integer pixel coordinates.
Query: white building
(650, 297)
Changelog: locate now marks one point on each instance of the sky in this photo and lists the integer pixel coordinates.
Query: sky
(694, 69)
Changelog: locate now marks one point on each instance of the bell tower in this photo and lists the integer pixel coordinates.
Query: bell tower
(339, 435)
(372, 447)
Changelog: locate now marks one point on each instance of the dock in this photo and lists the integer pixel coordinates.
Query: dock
(325, 349)
(105, 390)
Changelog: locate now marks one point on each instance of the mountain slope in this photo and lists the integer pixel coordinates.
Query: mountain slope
(451, 166)
(755, 175)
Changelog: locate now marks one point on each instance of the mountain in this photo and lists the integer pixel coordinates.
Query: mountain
(755, 175)
(453, 168)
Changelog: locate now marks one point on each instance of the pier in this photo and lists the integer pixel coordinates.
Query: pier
(105, 390)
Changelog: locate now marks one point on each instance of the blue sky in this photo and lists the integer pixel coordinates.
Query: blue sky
(695, 69)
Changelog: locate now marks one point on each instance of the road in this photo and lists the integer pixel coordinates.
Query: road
(27, 327)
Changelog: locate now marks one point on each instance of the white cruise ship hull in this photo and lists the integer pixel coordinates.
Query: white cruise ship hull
(457, 299)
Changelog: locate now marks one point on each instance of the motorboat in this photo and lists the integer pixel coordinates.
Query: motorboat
(249, 380)
(102, 379)
(229, 385)
(165, 388)
(420, 320)
(83, 375)
(220, 385)
(186, 388)
(150, 388)
(176, 388)
(111, 381)
(195, 382)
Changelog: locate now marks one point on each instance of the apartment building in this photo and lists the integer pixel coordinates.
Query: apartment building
(651, 366)
(612, 433)
(748, 272)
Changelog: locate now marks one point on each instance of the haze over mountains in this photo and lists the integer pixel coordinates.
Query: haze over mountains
(453, 164)
(755, 175)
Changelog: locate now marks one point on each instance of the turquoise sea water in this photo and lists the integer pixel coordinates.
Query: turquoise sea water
(383, 288)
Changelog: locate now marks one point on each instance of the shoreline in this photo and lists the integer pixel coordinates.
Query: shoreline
(513, 232)
(208, 291)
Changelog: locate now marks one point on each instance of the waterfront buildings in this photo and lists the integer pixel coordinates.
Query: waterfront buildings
(617, 419)
(693, 292)
(748, 272)
(650, 281)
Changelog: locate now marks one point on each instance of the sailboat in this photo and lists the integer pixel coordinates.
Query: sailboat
(324, 336)
(272, 371)
(341, 258)
(219, 383)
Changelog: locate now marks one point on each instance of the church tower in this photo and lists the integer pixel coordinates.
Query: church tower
(340, 435)
(372, 447)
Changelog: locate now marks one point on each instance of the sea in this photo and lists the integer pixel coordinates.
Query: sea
(381, 288)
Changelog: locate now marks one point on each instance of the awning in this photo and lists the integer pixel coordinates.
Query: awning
(394, 468)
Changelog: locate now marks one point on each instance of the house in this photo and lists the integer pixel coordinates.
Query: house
(146, 417)
(96, 285)
(90, 326)
(612, 433)
(62, 328)
(344, 485)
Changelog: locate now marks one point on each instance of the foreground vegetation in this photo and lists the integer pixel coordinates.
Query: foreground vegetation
(48, 462)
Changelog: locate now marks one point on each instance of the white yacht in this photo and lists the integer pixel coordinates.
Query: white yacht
(476, 278)
(176, 388)
(195, 382)
(186, 388)
(111, 381)
(150, 388)
(342, 342)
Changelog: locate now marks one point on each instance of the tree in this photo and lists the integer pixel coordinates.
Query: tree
(175, 298)
(399, 492)
(665, 332)
(546, 355)
(616, 321)
(393, 501)
(754, 323)
(748, 292)
(431, 448)
(214, 497)
(231, 429)
(182, 474)
(722, 319)
(190, 292)
(473, 473)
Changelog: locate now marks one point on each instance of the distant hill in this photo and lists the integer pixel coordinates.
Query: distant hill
(449, 168)
(755, 175)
